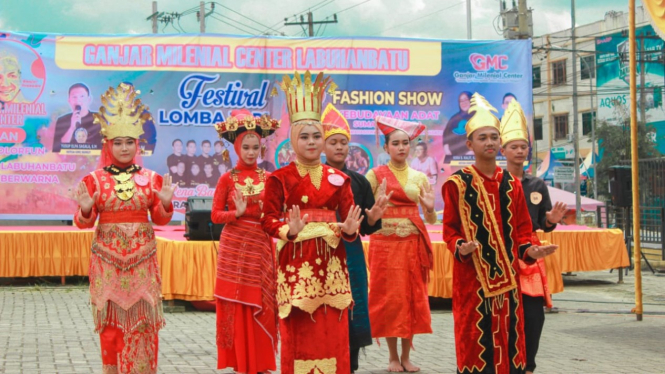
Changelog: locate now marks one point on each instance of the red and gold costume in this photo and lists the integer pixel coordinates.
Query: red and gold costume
(125, 282)
(400, 254)
(245, 285)
(487, 305)
(313, 292)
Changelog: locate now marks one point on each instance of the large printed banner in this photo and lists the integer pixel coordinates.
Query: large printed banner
(51, 84)
(613, 82)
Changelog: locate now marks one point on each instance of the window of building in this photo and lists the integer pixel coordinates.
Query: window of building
(536, 76)
(559, 72)
(538, 129)
(588, 67)
(561, 126)
(587, 122)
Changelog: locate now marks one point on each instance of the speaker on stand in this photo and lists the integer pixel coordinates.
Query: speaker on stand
(198, 223)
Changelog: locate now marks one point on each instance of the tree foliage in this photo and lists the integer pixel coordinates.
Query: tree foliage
(614, 144)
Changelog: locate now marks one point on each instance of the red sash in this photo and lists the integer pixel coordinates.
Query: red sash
(406, 208)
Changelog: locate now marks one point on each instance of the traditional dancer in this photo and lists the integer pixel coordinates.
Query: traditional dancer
(533, 277)
(125, 283)
(337, 136)
(487, 227)
(313, 293)
(400, 254)
(245, 286)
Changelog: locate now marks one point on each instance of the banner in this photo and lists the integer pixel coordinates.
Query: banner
(51, 84)
(613, 80)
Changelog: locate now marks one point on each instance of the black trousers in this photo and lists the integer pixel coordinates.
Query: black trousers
(534, 319)
(355, 352)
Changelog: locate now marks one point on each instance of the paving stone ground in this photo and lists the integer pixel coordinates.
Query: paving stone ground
(48, 329)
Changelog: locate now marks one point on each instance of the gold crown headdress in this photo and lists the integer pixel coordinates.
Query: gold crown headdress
(304, 101)
(235, 126)
(122, 114)
(513, 124)
(483, 116)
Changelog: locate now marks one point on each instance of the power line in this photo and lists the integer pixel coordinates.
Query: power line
(419, 18)
(239, 23)
(243, 16)
(232, 25)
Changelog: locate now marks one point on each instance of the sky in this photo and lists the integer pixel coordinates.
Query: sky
(435, 19)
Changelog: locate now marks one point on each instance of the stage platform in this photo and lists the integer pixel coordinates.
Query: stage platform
(188, 267)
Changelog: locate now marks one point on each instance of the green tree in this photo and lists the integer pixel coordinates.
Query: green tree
(614, 146)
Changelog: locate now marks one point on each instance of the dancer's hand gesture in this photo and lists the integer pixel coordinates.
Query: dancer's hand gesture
(240, 202)
(468, 247)
(380, 205)
(295, 222)
(555, 215)
(541, 251)
(84, 199)
(426, 198)
(352, 222)
(165, 195)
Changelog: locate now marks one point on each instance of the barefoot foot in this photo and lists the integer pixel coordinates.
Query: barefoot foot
(408, 366)
(395, 367)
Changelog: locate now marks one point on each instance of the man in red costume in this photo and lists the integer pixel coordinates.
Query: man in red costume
(486, 225)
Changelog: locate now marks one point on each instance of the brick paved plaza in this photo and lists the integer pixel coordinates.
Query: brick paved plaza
(48, 329)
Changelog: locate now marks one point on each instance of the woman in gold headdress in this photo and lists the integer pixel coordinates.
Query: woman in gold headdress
(125, 283)
(301, 207)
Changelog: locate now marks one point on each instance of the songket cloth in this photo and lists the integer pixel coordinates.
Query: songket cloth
(400, 258)
(245, 285)
(125, 282)
(487, 304)
(313, 292)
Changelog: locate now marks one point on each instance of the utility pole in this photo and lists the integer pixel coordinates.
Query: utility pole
(576, 142)
(593, 133)
(202, 16)
(522, 20)
(310, 22)
(468, 19)
(643, 108)
(154, 17)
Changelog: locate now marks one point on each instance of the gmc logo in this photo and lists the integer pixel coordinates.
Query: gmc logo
(482, 62)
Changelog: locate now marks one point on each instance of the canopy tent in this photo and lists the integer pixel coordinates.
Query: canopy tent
(546, 168)
(588, 167)
(568, 198)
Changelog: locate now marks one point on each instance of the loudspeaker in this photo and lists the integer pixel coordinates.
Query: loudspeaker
(621, 186)
(198, 223)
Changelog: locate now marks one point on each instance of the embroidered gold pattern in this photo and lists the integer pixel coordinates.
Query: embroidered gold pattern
(322, 366)
(315, 173)
(401, 227)
(249, 188)
(304, 199)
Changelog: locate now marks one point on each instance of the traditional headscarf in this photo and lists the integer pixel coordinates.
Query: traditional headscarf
(242, 123)
(295, 131)
(387, 125)
(334, 122)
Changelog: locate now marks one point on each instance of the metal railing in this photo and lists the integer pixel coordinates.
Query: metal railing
(652, 223)
(652, 181)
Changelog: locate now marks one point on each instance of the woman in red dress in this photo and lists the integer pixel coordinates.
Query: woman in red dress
(313, 292)
(400, 254)
(125, 283)
(245, 286)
